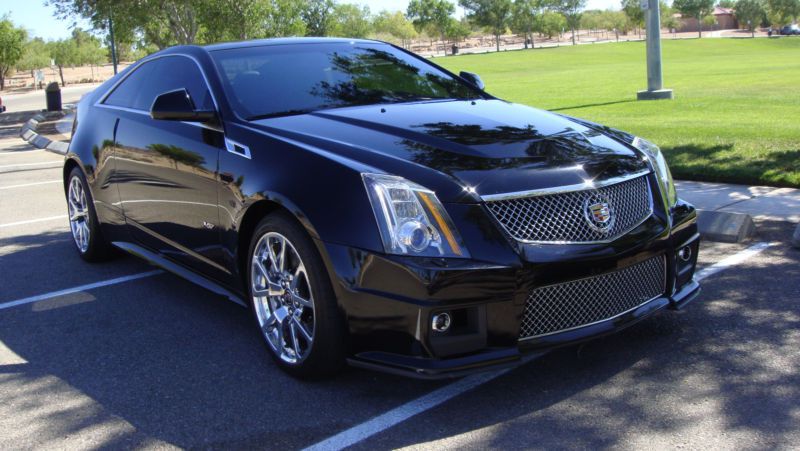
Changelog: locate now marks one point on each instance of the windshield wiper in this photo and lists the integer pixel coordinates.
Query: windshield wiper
(281, 113)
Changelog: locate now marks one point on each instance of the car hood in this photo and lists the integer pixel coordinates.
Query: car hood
(486, 147)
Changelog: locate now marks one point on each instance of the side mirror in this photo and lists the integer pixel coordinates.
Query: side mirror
(472, 79)
(177, 105)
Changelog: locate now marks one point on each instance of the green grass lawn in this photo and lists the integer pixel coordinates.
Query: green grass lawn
(735, 118)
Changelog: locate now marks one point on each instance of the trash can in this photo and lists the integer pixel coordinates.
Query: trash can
(53, 94)
(455, 49)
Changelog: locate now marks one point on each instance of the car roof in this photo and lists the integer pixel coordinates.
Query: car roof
(283, 41)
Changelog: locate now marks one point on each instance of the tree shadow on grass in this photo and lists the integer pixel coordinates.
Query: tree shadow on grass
(719, 163)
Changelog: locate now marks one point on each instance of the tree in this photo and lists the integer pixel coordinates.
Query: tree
(698, 9)
(726, 3)
(571, 10)
(284, 18)
(393, 25)
(635, 13)
(431, 15)
(457, 30)
(784, 10)
(316, 14)
(88, 48)
(64, 53)
(550, 24)
(668, 19)
(351, 21)
(524, 17)
(495, 15)
(35, 55)
(12, 42)
(750, 13)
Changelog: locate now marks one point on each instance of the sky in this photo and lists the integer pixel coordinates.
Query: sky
(39, 21)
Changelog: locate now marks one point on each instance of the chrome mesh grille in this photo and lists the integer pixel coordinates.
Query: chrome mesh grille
(561, 217)
(585, 301)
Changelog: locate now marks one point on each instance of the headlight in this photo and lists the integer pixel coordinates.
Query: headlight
(411, 219)
(661, 168)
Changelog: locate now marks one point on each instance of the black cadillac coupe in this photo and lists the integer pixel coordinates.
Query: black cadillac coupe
(371, 207)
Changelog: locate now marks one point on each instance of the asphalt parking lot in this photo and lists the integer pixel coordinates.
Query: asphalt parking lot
(158, 362)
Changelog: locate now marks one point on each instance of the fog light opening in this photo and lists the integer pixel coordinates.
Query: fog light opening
(441, 322)
(685, 253)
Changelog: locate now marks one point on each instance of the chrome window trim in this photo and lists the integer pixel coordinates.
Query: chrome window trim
(565, 188)
(147, 113)
(140, 63)
(607, 182)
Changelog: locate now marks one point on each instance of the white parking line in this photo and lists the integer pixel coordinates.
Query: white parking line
(33, 221)
(358, 433)
(733, 260)
(25, 185)
(77, 289)
(29, 164)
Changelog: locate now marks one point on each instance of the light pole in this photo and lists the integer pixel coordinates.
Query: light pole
(655, 87)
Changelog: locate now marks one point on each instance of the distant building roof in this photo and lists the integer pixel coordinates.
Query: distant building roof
(720, 11)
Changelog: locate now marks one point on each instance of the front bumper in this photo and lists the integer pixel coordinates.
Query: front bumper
(389, 301)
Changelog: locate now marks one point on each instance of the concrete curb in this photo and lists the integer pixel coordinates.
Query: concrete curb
(28, 132)
(725, 227)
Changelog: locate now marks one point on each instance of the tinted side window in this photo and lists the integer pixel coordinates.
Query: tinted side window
(126, 93)
(157, 77)
(173, 73)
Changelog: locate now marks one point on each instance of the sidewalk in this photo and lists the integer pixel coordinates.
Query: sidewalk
(760, 202)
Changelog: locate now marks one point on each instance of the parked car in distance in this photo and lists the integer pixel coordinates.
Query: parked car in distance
(789, 30)
(370, 207)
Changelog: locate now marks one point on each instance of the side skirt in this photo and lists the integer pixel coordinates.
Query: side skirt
(180, 271)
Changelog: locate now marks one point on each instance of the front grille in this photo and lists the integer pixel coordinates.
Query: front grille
(563, 217)
(582, 302)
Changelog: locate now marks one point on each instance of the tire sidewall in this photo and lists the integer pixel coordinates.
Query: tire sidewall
(98, 248)
(326, 354)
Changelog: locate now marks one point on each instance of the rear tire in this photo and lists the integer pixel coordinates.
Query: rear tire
(83, 223)
(292, 301)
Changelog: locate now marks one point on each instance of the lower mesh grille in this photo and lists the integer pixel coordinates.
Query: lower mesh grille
(582, 302)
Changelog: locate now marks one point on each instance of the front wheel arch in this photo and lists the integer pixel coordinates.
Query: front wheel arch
(247, 226)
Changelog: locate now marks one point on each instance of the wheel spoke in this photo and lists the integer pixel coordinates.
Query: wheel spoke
(302, 301)
(273, 259)
(282, 256)
(295, 343)
(299, 324)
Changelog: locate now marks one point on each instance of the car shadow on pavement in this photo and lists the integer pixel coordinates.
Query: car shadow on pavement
(725, 372)
(162, 361)
(154, 361)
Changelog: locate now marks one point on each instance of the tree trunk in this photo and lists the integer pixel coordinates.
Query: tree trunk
(573, 36)
(61, 74)
(497, 41)
(699, 27)
(2, 82)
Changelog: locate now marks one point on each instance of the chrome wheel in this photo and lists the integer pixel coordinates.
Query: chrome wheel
(78, 213)
(282, 297)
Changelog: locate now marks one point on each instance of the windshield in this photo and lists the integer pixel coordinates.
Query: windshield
(277, 80)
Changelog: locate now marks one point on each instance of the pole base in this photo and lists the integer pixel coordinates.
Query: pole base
(660, 94)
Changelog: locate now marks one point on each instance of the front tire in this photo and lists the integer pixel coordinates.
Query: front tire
(292, 300)
(83, 223)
